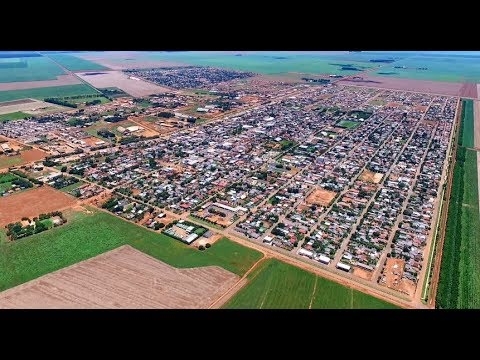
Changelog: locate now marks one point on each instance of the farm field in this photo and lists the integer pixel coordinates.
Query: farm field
(74, 63)
(29, 107)
(459, 283)
(32, 203)
(468, 123)
(42, 93)
(87, 235)
(277, 285)
(13, 116)
(136, 88)
(122, 278)
(7, 161)
(36, 68)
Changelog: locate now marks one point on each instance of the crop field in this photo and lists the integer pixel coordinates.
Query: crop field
(13, 116)
(468, 130)
(45, 92)
(28, 69)
(24, 157)
(459, 283)
(119, 279)
(74, 63)
(348, 124)
(277, 285)
(87, 235)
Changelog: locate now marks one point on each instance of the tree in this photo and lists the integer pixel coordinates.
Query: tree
(207, 245)
(63, 169)
(201, 247)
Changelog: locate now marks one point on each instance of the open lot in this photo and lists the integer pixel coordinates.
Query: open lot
(321, 197)
(423, 86)
(32, 203)
(136, 88)
(61, 80)
(87, 234)
(277, 285)
(28, 106)
(119, 279)
(370, 176)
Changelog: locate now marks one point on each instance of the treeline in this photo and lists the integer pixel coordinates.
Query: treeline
(25, 177)
(60, 102)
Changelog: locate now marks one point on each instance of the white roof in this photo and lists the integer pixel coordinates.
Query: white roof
(190, 238)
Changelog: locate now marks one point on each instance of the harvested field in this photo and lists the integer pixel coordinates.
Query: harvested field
(370, 176)
(26, 105)
(61, 80)
(123, 278)
(469, 90)
(321, 197)
(136, 88)
(423, 86)
(32, 203)
(121, 60)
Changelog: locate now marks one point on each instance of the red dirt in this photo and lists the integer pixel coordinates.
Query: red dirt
(31, 203)
(123, 278)
(422, 86)
(33, 155)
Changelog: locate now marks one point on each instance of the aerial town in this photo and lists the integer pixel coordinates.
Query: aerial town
(343, 177)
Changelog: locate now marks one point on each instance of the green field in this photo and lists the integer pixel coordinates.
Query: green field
(459, 283)
(277, 285)
(348, 124)
(32, 69)
(45, 92)
(13, 116)
(47, 222)
(74, 63)
(87, 235)
(7, 161)
(6, 182)
(72, 186)
(3, 237)
(468, 130)
(82, 100)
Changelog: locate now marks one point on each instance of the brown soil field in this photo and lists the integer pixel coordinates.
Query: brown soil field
(469, 90)
(123, 278)
(370, 176)
(320, 197)
(33, 155)
(31, 203)
(219, 220)
(61, 80)
(90, 141)
(17, 102)
(136, 88)
(423, 86)
(117, 60)
(362, 273)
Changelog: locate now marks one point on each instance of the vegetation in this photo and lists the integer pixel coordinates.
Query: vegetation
(30, 69)
(14, 116)
(88, 235)
(459, 283)
(34, 226)
(74, 63)
(45, 92)
(277, 285)
(348, 124)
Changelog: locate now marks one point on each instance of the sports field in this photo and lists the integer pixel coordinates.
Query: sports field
(87, 235)
(45, 92)
(74, 63)
(277, 285)
(28, 69)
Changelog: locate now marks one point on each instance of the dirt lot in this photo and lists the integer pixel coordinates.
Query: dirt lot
(423, 86)
(320, 197)
(90, 141)
(136, 88)
(124, 278)
(393, 273)
(370, 176)
(219, 220)
(61, 80)
(362, 273)
(33, 155)
(469, 90)
(31, 203)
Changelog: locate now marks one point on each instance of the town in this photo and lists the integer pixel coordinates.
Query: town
(344, 177)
